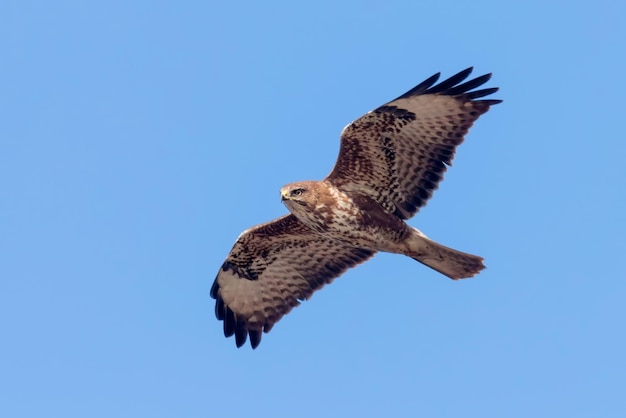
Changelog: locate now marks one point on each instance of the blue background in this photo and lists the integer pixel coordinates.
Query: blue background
(138, 139)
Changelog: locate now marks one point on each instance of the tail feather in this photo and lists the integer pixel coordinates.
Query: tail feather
(447, 261)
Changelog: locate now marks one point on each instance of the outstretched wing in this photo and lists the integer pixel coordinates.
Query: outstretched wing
(271, 268)
(397, 153)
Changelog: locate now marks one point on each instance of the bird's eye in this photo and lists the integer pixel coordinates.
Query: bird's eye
(297, 192)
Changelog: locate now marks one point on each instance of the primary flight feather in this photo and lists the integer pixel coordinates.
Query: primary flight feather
(390, 162)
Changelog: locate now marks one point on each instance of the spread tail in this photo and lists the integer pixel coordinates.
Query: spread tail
(447, 261)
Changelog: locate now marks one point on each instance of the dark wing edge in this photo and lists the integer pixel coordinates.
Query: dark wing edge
(451, 87)
(404, 132)
(270, 269)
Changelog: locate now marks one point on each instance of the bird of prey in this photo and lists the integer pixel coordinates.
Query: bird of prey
(390, 162)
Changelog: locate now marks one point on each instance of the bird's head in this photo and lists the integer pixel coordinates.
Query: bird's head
(297, 194)
(306, 201)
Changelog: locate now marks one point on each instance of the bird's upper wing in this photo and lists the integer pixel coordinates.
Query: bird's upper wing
(397, 153)
(270, 269)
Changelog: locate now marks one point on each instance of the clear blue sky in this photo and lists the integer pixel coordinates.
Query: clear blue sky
(138, 139)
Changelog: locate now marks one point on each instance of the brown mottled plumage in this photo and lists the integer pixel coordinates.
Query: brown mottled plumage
(390, 162)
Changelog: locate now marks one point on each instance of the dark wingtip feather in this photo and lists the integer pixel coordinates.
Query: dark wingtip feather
(235, 326)
(219, 309)
(481, 93)
(454, 89)
(421, 87)
(241, 333)
(489, 102)
(255, 338)
(442, 87)
(229, 322)
(214, 288)
(451, 86)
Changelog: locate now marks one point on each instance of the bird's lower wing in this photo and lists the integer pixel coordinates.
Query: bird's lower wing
(270, 269)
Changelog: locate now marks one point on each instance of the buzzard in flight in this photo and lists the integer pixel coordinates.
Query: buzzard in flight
(390, 162)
